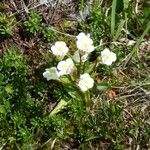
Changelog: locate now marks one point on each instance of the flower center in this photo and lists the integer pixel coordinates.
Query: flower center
(85, 81)
(49, 75)
(60, 49)
(108, 57)
(64, 66)
(85, 44)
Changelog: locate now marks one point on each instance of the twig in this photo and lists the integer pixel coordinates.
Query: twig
(25, 7)
(2, 146)
(128, 33)
(52, 145)
(115, 43)
(136, 84)
(131, 95)
(130, 115)
(57, 4)
(21, 11)
(136, 6)
(101, 2)
(66, 34)
(13, 3)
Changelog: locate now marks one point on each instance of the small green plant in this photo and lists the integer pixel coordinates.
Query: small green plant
(84, 102)
(97, 25)
(33, 24)
(81, 4)
(48, 34)
(76, 73)
(6, 25)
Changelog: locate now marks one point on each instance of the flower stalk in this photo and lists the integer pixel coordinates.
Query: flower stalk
(87, 101)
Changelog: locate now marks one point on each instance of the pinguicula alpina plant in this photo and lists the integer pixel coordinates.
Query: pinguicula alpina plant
(71, 72)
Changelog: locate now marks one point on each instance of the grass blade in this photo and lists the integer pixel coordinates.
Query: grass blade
(135, 48)
(126, 5)
(119, 30)
(113, 17)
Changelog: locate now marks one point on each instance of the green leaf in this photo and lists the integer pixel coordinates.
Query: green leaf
(146, 10)
(126, 3)
(9, 89)
(65, 80)
(1, 78)
(58, 107)
(103, 86)
(2, 109)
(89, 68)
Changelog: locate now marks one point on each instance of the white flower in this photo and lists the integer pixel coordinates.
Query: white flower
(108, 57)
(76, 57)
(85, 82)
(60, 49)
(51, 74)
(85, 43)
(65, 66)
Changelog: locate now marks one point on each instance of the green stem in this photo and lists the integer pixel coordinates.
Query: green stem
(87, 101)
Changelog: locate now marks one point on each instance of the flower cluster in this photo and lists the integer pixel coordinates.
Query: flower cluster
(68, 66)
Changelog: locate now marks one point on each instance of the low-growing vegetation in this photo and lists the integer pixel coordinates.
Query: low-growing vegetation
(74, 75)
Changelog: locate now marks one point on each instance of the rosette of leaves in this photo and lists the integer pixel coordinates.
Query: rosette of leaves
(48, 34)
(6, 25)
(33, 24)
